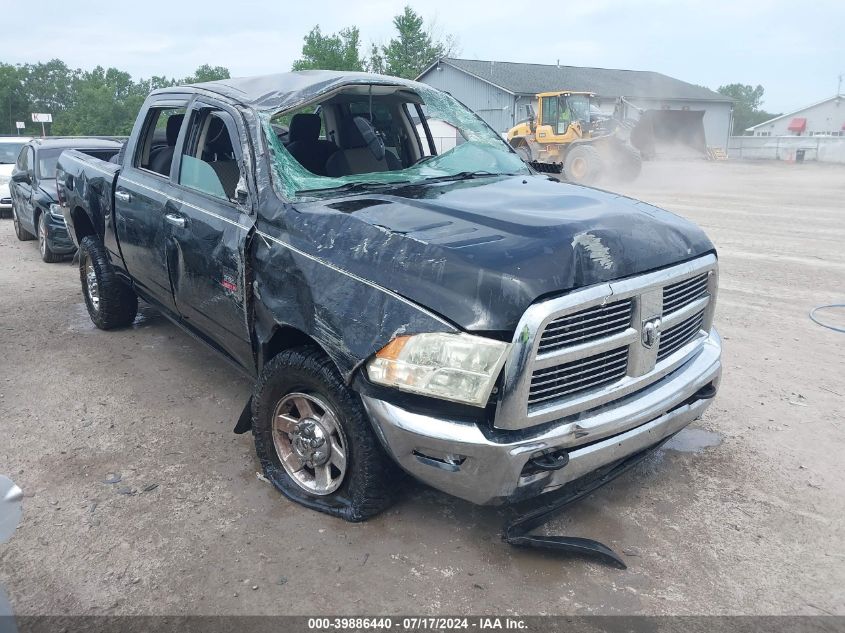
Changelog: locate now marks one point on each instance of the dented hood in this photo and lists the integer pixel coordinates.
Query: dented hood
(479, 252)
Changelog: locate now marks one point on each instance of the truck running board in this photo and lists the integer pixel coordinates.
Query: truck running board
(517, 531)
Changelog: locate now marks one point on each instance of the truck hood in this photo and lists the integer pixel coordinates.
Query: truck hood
(479, 252)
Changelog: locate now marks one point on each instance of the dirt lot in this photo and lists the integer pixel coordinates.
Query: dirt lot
(743, 513)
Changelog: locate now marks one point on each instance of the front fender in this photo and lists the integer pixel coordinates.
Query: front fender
(350, 317)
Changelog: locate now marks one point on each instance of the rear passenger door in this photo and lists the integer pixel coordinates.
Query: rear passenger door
(142, 191)
(210, 217)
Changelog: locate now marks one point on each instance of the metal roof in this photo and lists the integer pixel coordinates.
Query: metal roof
(530, 79)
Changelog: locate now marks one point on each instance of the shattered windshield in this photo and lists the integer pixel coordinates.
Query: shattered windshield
(367, 137)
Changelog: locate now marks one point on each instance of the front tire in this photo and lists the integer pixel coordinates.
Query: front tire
(314, 439)
(583, 165)
(47, 255)
(110, 301)
(22, 234)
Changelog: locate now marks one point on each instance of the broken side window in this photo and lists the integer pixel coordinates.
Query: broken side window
(155, 148)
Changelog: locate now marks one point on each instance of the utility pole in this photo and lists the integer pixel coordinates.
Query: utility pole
(839, 85)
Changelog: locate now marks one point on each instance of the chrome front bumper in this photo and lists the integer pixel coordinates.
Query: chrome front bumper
(458, 458)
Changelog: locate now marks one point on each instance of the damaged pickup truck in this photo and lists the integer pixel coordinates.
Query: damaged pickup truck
(400, 298)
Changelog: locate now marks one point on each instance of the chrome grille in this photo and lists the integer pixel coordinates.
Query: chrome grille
(679, 335)
(585, 349)
(575, 377)
(681, 294)
(586, 325)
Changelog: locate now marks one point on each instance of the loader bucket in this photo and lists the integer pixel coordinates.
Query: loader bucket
(670, 133)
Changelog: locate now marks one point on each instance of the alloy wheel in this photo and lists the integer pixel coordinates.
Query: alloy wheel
(42, 236)
(310, 443)
(92, 287)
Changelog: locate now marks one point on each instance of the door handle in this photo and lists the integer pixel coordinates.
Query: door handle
(176, 220)
(123, 196)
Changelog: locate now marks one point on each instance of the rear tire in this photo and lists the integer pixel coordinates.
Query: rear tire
(583, 165)
(22, 234)
(47, 255)
(110, 301)
(628, 163)
(299, 399)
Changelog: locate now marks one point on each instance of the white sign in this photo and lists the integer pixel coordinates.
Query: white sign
(42, 117)
(20, 125)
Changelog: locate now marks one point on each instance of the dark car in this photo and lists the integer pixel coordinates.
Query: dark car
(35, 208)
(496, 333)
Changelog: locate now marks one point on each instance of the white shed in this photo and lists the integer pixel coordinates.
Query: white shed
(825, 118)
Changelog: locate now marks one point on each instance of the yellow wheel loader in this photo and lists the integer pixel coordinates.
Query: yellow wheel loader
(569, 135)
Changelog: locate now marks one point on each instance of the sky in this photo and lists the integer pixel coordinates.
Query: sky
(796, 50)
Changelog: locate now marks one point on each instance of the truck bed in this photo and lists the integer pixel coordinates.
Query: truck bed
(85, 187)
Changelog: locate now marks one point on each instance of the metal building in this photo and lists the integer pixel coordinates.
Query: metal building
(825, 118)
(499, 91)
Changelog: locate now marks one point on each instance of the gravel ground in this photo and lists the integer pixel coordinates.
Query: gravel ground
(741, 514)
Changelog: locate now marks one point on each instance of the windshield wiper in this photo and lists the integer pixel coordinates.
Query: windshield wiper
(466, 175)
(353, 187)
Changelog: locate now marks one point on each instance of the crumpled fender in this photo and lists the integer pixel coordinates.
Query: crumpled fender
(350, 317)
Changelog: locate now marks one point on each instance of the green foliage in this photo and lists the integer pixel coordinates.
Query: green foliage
(747, 101)
(100, 101)
(206, 73)
(376, 63)
(406, 55)
(338, 51)
(414, 47)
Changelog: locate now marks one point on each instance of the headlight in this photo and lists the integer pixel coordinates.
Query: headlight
(56, 211)
(458, 367)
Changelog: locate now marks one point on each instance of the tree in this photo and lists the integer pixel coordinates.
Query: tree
(414, 47)
(206, 73)
(14, 105)
(747, 101)
(338, 51)
(375, 63)
(103, 102)
(99, 101)
(48, 86)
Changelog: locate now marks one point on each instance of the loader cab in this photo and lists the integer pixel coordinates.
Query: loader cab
(563, 116)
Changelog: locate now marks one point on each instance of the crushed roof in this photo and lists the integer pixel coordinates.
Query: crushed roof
(284, 90)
